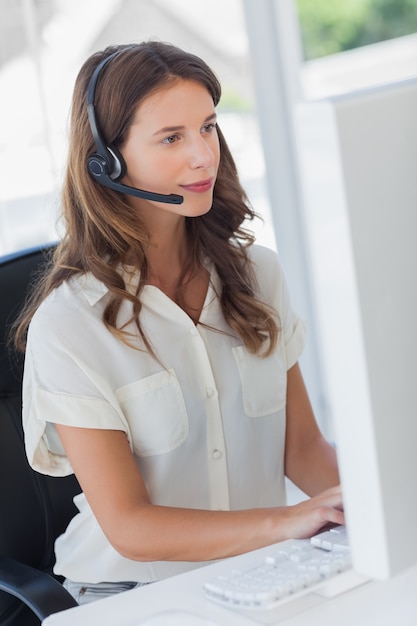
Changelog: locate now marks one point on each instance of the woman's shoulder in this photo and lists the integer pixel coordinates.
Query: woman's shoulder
(69, 301)
(270, 276)
(266, 265)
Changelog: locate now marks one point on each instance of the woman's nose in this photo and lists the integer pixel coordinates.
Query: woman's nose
(201, 153)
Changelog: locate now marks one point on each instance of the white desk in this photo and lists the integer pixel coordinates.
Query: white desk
(372, 604)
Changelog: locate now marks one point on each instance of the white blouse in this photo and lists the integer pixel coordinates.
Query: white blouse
(206, 424)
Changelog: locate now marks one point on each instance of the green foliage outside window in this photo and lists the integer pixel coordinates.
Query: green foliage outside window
(331, 26)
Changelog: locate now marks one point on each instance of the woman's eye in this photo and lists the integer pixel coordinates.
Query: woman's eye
(170, 139)
(208, 128)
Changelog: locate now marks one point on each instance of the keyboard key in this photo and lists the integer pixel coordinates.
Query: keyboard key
(335, 539)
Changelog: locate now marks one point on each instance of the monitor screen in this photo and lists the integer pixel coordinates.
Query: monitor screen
(358, 156)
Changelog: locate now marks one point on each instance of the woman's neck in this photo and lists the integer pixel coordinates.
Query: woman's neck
(171, 268)
(167, 256)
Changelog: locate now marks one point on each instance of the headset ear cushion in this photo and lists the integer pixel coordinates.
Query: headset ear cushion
(97, 166)
(119, 165)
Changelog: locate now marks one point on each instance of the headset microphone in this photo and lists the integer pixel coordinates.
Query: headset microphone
(107, 165)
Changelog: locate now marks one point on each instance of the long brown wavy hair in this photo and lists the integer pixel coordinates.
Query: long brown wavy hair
(102, 230)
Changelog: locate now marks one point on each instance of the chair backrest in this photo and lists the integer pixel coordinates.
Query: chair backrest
(34, 509)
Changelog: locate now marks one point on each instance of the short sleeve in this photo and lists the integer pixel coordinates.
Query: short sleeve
(274, 291)
(295, 341)
(57, 389)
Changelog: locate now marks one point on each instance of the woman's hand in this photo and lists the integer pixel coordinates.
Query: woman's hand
(306, 518)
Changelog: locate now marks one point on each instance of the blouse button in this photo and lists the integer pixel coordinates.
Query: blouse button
(217, 454)
(210, 392)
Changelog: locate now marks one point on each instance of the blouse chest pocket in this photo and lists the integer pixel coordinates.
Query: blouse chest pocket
(264, 381)
(155, 410)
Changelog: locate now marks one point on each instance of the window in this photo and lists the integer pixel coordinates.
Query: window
(351, 44)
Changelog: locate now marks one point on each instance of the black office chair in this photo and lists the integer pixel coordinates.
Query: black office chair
(34, 509)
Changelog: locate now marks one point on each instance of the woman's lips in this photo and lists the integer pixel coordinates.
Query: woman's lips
(200, 186)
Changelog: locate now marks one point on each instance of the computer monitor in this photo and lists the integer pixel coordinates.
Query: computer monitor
(358, 155)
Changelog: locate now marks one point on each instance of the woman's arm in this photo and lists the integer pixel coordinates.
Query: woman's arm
(137, 529)
(310, 461)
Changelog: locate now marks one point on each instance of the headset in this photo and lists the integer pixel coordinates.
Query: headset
(107, 165)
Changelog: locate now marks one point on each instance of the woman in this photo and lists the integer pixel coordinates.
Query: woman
(161, 358)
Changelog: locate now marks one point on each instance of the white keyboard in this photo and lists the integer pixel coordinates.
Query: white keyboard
(291, 568)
